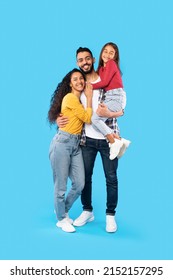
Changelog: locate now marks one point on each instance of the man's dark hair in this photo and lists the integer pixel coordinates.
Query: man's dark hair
(83, 50)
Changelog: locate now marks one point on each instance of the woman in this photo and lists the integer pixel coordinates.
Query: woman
(65, 153)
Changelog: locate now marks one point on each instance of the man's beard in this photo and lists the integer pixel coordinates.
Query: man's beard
(88, 71)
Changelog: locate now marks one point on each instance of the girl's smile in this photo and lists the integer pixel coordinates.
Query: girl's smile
(107, 54)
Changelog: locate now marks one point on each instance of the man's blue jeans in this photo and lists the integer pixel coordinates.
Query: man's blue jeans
(89, 151)
(66, 160)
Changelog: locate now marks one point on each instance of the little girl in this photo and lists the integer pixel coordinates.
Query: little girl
(115, 96)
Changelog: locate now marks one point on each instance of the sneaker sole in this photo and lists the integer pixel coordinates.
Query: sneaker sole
(111, 231)
(68, 230)
(82, 224)
(61, 226)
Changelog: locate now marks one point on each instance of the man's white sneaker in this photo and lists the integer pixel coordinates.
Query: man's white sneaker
(84, 218)
(115, 148)
(125, 145)
(111, 225)
(65, 225)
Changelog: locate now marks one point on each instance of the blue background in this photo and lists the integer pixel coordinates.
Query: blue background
(38, 44)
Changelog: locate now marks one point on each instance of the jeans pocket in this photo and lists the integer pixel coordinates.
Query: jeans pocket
(62, 138)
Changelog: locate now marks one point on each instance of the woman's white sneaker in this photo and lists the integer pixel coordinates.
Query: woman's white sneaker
(65, 225)
(68, 218)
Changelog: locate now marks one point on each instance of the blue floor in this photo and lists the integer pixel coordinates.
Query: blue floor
(28, 228)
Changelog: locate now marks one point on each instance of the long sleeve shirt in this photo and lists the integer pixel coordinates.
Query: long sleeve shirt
(77, 115)
(110, 77)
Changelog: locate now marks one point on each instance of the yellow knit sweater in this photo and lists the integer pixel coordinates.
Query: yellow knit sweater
(77, 115)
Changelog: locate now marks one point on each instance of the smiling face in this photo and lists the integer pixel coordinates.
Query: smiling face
(85, 62)
(77, 83)
(107, 54)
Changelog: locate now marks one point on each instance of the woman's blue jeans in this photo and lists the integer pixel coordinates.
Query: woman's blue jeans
(66, 161)
(89, 151)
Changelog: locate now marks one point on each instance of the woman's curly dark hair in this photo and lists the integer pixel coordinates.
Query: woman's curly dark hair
(56, 100)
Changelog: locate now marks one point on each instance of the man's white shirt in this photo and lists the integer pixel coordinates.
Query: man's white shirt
(89, 130)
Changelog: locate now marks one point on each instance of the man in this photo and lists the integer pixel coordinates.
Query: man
(93, 142)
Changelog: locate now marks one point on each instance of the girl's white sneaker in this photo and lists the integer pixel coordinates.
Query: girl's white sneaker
(115, 148)
(125, 145)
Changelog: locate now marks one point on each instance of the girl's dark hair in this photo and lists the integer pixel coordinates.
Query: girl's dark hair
(56, 100)
(116, 58)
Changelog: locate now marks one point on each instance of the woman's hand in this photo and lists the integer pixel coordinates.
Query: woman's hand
(88, 91)
(61, 121)
(103, 111)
